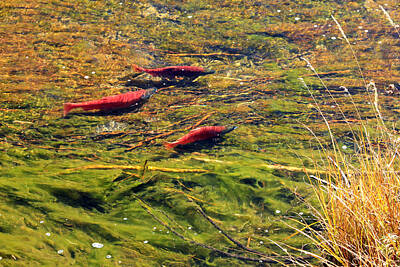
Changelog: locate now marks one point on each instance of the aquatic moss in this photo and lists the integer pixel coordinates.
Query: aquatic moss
(257, 89)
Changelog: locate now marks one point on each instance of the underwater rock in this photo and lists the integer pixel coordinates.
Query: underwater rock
(111, 126)
(149, 10)
(97, 245)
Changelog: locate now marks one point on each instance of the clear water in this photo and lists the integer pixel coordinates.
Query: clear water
(58, 204)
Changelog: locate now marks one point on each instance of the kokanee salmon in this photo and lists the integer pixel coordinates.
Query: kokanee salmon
(113, 102)
(199, 134)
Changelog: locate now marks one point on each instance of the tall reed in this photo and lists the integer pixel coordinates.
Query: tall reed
(360, 206)
(359, 198)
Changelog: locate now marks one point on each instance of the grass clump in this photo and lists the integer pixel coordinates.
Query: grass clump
(359, 196)
(360, 211)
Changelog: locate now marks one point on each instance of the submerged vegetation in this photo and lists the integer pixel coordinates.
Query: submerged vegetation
(100, 189)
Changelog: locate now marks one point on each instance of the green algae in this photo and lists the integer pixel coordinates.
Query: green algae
(82, 50)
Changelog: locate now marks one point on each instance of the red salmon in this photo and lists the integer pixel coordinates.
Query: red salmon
(113, 102)
(199, 134)
(172, 72)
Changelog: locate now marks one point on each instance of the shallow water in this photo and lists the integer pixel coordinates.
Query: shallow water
(54, 207)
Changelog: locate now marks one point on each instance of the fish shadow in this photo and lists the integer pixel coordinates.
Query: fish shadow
(214, 143)
(104, 113)
(146, 84)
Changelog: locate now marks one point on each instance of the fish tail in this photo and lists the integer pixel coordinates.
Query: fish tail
(208, 72)
(137, 68)
(228, 129)
(170, 145)
(67, 108)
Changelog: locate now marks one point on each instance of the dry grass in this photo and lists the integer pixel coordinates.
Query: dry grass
(358, 195)
(359, 198)
(360, 211)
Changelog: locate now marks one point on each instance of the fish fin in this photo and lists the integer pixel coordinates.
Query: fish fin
(137, 68)
(67, 108)
(169, 145)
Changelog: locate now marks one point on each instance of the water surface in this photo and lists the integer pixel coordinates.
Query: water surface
(53, 208)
